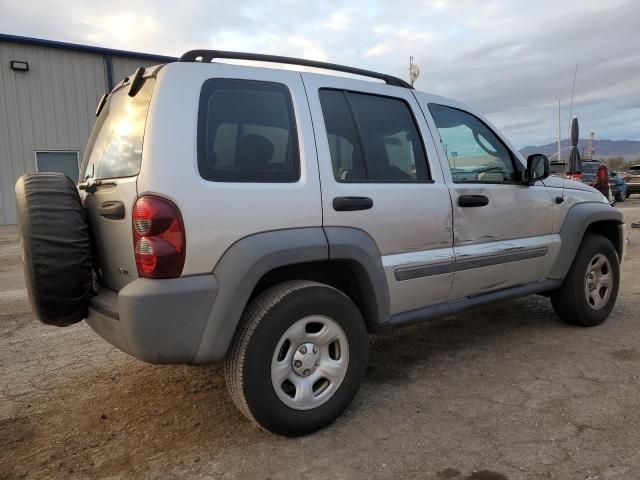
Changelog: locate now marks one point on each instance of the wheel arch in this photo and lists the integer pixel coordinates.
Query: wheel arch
(258, 261)
(582, 219)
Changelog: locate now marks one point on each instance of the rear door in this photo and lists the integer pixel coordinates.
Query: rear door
(502, 228)
(113, 158)
(375, 146)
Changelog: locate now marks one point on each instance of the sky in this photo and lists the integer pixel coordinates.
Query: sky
(509, 59)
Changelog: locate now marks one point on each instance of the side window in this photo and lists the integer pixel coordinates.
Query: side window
(372, 138)
(246, 132)
(474, 152)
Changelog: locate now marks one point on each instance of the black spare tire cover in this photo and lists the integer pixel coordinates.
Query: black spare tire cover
(56, 249)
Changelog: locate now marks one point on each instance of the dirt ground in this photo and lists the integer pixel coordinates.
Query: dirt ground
(501, 392)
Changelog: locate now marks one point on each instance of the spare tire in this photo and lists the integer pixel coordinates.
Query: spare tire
(56, 249)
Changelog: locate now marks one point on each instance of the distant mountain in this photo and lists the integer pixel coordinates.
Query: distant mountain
(629, 149)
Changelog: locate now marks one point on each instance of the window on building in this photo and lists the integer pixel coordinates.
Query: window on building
(63, 162)
(372, 138)
(247, 132)
(474, 152)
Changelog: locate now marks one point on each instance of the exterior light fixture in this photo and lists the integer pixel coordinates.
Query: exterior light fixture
(19, 66)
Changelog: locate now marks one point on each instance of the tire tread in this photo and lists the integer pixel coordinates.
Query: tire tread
(257, 309)
(568, 301)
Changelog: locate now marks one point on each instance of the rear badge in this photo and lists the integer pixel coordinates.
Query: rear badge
(123, 271)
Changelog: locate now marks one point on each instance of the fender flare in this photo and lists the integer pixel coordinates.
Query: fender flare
(577, 220)
(360, 251)
(246, 261)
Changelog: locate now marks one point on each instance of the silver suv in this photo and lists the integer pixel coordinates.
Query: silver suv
(272, 218)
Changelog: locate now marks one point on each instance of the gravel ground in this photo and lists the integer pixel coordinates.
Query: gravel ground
(500, 392)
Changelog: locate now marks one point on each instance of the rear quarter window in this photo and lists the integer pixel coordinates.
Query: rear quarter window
(246, 132)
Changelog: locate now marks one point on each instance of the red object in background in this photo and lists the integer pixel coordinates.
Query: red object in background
(603, 174)
(602, 180)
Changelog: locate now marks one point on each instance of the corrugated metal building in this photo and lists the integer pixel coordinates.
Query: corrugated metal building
(48, 96)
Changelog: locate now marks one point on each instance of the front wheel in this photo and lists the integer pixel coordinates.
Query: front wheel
(298, 358)
(590, 289)
(620, 197)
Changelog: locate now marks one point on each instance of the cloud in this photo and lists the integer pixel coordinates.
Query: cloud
(378, 50)
(510, 59)
(340, 20)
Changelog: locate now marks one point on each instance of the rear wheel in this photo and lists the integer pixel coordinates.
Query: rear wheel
(298, 359)
(590, 289)
(620, 197)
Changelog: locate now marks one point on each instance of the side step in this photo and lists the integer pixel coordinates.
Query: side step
(442, 309)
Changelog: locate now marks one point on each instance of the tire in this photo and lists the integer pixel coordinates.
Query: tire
(56, 249)
(571, 302)
(619, 197)
(260, 351)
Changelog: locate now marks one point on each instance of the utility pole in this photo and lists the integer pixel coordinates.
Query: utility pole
(590, 148)
(559, 134)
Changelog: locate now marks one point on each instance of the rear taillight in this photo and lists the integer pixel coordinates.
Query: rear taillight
(158, 238)
(575, 176)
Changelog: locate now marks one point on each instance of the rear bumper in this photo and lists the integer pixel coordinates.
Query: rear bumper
(158, 321)
(634, 187)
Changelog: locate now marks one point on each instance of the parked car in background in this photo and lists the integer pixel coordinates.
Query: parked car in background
(557, 169)
(618, 186)
(632, 177)
(591, 176)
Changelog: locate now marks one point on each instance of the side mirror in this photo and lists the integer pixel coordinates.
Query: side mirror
(537, 168)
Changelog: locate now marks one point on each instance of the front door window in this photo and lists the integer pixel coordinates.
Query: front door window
(474, 152)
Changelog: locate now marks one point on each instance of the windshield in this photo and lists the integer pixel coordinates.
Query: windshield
(115, 146)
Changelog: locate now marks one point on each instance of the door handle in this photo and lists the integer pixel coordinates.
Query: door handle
(473, 201)
(350, 204)
(113, 210)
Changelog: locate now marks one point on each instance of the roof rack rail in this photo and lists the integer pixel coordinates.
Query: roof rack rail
(206, 56)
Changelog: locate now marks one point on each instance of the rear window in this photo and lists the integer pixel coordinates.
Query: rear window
(246, 132)
(590, 168)
(115, 146)
(555, 168)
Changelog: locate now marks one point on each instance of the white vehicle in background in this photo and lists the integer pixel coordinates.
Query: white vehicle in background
(632, 177)
(271, 218)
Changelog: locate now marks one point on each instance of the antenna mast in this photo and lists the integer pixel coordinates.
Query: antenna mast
(573, 91)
